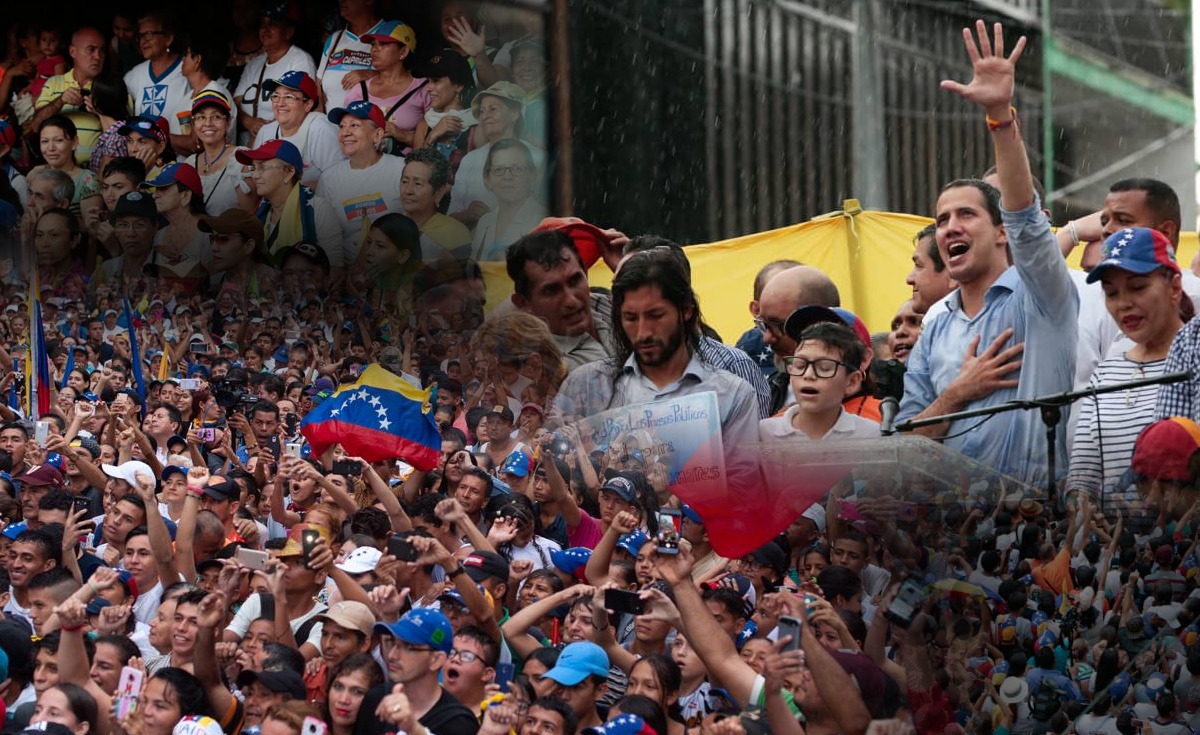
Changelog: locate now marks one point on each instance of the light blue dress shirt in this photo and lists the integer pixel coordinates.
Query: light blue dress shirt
(1035, 297)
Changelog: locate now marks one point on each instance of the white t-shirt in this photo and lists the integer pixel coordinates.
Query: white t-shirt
(13, 609)
(220, 187)
(317, 140)
(257, 71)
(356, 193)
(468, 180)
(536, 551)
(146, 605)
(162, 96)
(342, 54)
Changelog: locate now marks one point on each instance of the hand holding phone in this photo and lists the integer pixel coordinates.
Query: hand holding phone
(253, 558)
(623, 601)
(790, 626)
(129, 688)
(401, 548)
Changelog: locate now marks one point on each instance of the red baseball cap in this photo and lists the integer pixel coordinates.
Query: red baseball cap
(589, 239)
(1164, 449)
(284, 150)
(176, 173)
(147, 127)
(361, 109)
(297, 80)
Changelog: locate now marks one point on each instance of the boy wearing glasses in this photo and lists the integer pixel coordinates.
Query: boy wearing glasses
(825, 369)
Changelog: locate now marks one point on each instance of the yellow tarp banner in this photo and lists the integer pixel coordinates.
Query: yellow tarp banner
(866, 253)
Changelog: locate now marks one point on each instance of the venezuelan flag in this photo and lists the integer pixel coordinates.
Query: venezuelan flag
(380, 417)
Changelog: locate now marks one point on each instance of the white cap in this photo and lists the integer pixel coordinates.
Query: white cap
(816, 514)
(127, 471)
(361, 560)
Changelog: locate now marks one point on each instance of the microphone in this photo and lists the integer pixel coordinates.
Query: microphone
(888, 408)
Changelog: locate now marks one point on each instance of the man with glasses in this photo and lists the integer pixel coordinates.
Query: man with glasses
(415, 648)
(783, 293)
(471, 666)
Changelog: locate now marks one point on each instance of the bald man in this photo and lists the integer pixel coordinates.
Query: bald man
(63, 94)
(785, 292)
(751, 341)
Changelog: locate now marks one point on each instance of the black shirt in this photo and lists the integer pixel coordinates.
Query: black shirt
(447, 717)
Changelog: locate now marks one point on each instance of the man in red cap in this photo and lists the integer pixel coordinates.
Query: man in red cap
(549, 272)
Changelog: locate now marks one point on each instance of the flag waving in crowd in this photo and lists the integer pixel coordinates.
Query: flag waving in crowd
(379, 417)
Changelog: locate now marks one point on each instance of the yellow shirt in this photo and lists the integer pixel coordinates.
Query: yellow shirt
(87, 124)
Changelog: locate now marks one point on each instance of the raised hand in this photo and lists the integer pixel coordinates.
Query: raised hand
(114, 619)
(388, 599)
(503, 531)
(992, 85)
(780, 665)
(211, 611)
(625, 522)
(450, 511)
(518, 570)
(460, 34)
(71, 614)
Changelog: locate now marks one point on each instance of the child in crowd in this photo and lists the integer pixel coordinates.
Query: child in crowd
(824, 371)
(52, 63)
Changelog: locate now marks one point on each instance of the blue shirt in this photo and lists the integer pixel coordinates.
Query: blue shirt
(1035, 297)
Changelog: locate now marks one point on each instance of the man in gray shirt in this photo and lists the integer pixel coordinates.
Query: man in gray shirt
(655, 315)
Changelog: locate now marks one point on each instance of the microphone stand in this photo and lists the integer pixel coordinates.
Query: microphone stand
(1050, 408)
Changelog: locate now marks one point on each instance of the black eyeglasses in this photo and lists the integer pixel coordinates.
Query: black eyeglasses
(467, 657)
(773, 326)
(823, 367)
(143, 34)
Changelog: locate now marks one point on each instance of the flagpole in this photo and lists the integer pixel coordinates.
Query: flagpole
(31, 356)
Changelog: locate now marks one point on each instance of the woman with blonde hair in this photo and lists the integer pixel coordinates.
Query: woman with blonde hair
(527, 338)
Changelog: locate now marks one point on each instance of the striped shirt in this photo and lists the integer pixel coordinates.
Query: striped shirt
(1109, 425)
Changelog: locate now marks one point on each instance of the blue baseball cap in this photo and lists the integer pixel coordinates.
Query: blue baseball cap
(623, 487)
(284, 150)
(633, 541)
(690, 513)
(571, 561)
(172, 469)
(517, 464)
(294, 79)
(361, 109)
(1138, 250)
(422, 628)
(13, 530)
(577, 662)
(622, 725)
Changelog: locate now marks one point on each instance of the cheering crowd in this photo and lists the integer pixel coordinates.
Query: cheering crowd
(196, 295)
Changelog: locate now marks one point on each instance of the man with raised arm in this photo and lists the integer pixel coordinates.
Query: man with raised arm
(971, 356)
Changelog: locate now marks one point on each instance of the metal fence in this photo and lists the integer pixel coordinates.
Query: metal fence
(780, 110)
